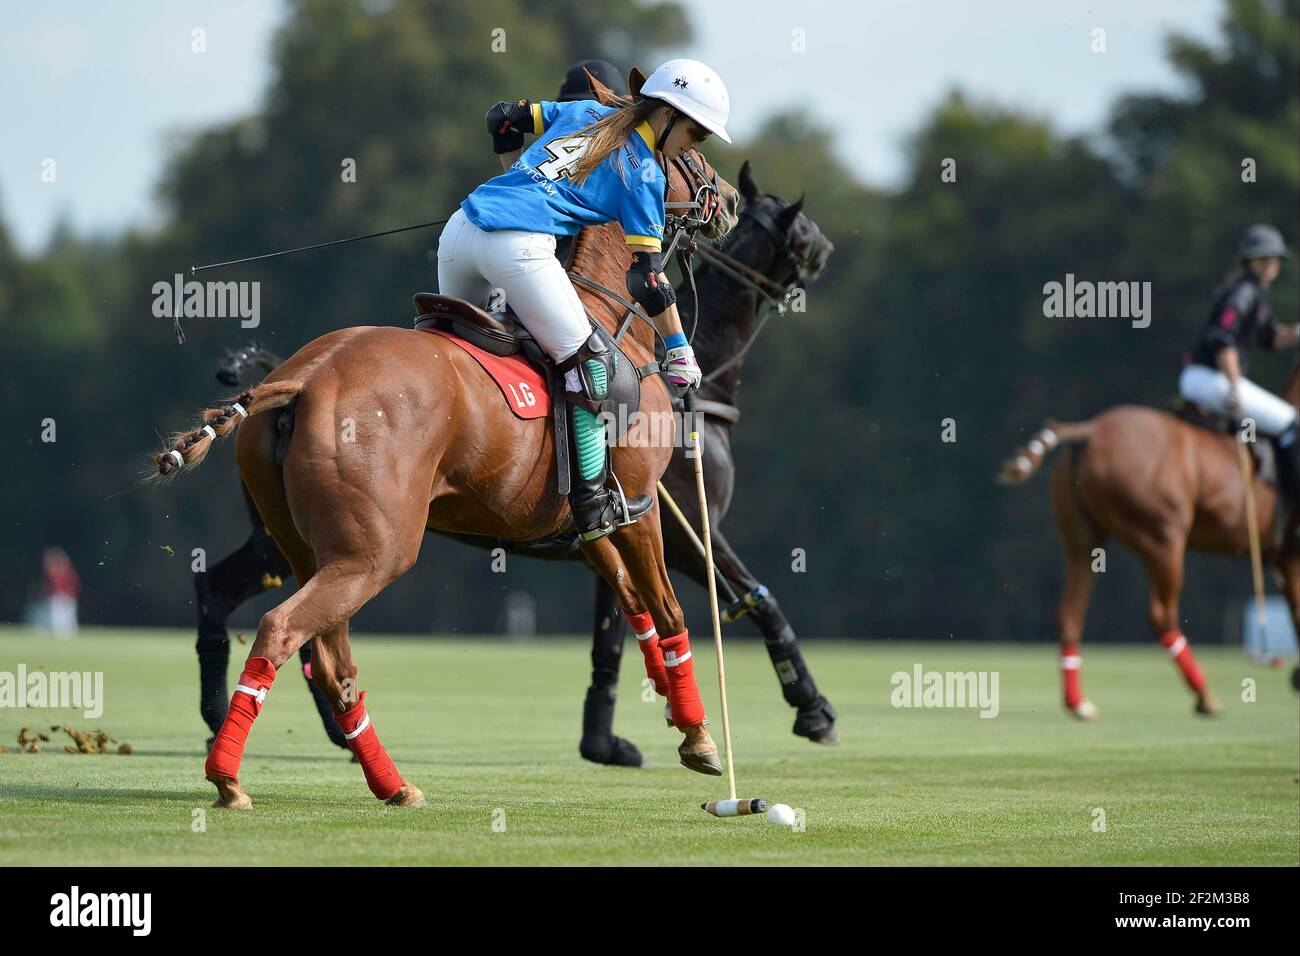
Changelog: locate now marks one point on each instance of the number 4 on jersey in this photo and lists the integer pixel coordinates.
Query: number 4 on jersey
(565, 154)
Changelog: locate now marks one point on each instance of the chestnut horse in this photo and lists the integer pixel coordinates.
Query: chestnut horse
(723, 306)
(396, 433)
(1160, 485)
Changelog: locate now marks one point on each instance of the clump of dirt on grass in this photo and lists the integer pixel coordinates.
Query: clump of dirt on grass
(83, 741)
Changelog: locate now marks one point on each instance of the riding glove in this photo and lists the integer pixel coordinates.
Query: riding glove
(681, 370)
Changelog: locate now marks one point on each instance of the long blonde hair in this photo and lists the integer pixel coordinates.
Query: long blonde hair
(610, 133)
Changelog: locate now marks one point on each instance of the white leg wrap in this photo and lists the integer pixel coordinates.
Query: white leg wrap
(255, 693)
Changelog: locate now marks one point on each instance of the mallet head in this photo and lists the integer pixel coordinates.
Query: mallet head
(742, 807)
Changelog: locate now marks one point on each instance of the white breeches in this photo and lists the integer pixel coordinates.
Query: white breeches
(521, 268)
(1209, 387)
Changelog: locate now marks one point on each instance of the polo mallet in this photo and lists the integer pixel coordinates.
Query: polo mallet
(739, 606)
(1252, 530)
(667, 499)
(732, 807)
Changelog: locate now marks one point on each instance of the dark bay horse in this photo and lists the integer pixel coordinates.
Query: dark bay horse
(780, 243)
(776, 240)
(1160, 485)
(397, 433)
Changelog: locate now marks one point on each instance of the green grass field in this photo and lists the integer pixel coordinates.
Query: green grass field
(489, 728)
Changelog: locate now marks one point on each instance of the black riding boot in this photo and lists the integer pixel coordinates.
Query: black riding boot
(597, 510)
(1288, 463)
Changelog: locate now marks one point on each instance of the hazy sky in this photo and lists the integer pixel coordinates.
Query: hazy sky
(100, 85)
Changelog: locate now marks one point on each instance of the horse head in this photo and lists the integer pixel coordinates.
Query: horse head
(690, 177)
(798, 251)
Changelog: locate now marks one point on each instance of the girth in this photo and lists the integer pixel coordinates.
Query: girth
(723, 411)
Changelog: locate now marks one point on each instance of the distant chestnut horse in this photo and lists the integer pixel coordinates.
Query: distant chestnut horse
(1159, 485)
(436, 448)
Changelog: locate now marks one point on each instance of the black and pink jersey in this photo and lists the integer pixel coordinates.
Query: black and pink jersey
(1241, 316)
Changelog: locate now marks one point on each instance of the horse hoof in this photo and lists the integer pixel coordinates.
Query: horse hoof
(1295, 679)
(1208, 705)
(1085, 710)
(699, 752)
(816, 721)
(230, 795)
(409, 796)
(611, 751)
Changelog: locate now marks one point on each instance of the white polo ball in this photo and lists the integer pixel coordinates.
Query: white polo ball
(780, 814)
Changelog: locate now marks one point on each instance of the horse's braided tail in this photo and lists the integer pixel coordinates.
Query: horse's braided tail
(1029, 457)
(186, 450)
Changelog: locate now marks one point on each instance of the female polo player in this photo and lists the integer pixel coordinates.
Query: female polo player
(1241, 317)
(589, 165)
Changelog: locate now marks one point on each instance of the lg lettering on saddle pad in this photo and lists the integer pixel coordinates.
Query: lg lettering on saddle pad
(520, 381)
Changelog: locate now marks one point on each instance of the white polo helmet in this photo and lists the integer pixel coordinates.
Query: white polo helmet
(693, 88)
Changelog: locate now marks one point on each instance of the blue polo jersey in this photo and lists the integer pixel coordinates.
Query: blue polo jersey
(538, 194)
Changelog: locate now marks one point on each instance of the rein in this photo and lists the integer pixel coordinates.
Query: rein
(778, 296)
(706, 202)
(755, 280)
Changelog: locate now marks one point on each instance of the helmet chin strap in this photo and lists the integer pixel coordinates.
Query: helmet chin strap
(672, 121)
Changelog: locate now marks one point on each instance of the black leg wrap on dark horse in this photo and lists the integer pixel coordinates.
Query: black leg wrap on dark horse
(332, 728)
(1287, 446)
(213, 648)
(599, 744)
(816, 717)
(606, 748)
(607, 637)
(797, 685)
(214, 696)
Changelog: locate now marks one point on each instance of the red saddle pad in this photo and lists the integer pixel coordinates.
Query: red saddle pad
(522, 383)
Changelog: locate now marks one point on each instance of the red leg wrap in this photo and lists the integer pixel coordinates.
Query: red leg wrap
(683, 692)
(1071, 672)
(381, 773)
(643, 624)
(228, 749)
(1181, 652)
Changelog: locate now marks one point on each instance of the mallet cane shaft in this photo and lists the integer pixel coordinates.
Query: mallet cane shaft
(1252, 529)
(689, 406)
(667, 499)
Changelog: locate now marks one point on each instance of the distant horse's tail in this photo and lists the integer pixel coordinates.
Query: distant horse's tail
(185, 450)
(1029, 457)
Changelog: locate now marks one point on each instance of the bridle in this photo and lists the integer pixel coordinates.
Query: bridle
(680, 219)
(707, 201)
(801, 267)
